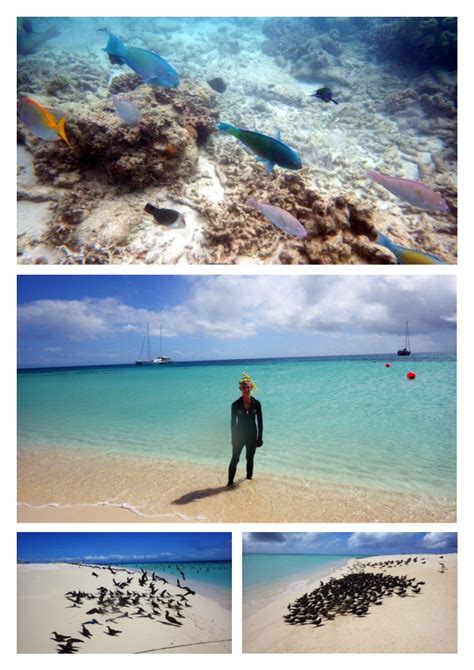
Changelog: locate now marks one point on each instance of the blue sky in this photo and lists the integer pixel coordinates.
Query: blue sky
(95, 320)
(350, 543)
(124, 547)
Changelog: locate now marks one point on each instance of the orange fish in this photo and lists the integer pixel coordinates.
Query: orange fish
(42, 122)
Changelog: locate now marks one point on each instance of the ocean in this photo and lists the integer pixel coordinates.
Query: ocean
(341, 420)
(263, 569)
(210, 573)
(268, 577)
(388, 104)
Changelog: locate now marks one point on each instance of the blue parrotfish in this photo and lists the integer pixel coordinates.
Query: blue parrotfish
(270, 150)
(417, 194)
(407, 256)
(42, 122)
(280, 218)
(29, 41)
(324, 94)
(127, 111)
(152, 68)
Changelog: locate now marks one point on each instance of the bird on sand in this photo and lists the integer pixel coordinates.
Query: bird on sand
(58, 637)
(172, 620)
(85, 632)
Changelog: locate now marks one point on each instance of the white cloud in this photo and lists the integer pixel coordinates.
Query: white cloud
(439, 540)
(358, 540)
(241, 306)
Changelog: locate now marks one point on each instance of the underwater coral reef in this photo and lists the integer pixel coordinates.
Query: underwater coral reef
(84, 201)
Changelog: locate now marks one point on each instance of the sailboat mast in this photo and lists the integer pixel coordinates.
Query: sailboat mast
(161, 331)
(148, 340)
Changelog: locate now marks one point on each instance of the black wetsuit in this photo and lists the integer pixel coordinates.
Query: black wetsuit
(246, 428)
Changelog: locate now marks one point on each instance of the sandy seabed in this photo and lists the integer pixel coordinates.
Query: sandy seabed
(57, 485)
(43, 608)
(426, 623)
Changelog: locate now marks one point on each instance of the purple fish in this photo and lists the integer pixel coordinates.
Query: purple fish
(414, 192)
(281, 219)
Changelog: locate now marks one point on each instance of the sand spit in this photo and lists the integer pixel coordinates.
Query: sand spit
(425, 622)
(57, 597)
(52, 487)
(92, 196)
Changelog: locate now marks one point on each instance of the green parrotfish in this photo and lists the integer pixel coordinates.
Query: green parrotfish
(270, 150)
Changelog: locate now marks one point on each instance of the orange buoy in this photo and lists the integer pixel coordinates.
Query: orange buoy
(387, 365)
(411, 375)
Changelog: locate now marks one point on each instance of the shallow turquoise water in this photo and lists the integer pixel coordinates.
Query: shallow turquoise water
(212, 573)
(264, 569)
(352, 421)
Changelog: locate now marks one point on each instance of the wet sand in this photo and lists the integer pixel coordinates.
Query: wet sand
(43, 608)
(58, 485)
(426, 623)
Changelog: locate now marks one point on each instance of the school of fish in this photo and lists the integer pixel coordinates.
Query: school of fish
(49, 125)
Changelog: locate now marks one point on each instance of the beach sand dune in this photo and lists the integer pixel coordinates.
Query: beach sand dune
(108, 488)
(43, 608)
(426, 623)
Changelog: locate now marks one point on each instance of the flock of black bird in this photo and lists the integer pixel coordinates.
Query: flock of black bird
(125, 600)
(353, 594)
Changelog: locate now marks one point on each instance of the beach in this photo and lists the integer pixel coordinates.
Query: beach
(105, 443)
(425, 623)
(121, 488)
(43, 608)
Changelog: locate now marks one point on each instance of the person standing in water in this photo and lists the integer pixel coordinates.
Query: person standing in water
(246, 427)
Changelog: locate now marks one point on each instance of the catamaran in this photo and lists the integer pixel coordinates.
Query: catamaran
(158, 360)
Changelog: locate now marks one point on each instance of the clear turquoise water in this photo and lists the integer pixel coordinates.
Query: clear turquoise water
(212, 573)
(352, 421)
(264, 569)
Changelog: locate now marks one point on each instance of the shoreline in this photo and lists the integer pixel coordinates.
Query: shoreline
(264, 594)
(43, 607)
(140, 489)
(423, 624)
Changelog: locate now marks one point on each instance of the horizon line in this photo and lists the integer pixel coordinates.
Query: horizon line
(231, 360)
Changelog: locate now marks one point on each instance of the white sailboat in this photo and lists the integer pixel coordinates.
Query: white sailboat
(158, 360)
(406, 350)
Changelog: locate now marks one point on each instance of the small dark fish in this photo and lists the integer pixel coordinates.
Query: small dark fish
(217, 84)
(164, 216)
(324, 94)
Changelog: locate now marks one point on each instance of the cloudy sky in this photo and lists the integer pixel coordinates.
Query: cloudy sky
(124, 547)
(91, 320)
(349, 543)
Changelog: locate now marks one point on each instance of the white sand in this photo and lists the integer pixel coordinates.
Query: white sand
(43, 608)
(426, 623)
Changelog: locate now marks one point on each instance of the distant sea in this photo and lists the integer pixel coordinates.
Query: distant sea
(212, 573)
(347, 419)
